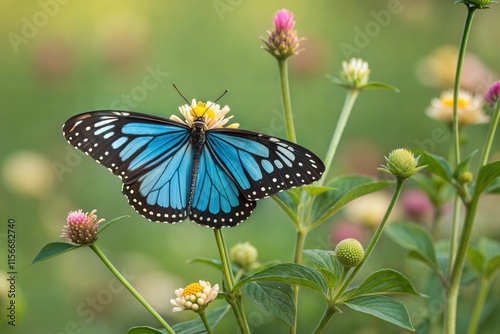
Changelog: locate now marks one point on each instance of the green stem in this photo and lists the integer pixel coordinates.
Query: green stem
(478, 307)
(373, 242)
(456, 274)
(232, 299)
(297, 258)
(455, 232)
(130, 288)
(285, 100)
(350, 98)
(461, 53)
(203, 317)
(490, 136)
(327, 315)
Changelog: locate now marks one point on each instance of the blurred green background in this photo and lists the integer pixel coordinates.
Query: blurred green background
(59, 58)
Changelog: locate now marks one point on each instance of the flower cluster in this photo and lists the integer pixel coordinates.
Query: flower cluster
(469, 108)
(81, 228)
(195, 296)
(355, 73)
(349, 252)
(283, 41)
(493, 95)
(211, 112)
(244, 255)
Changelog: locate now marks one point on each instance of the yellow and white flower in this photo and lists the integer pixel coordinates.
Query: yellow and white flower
(211, 112)
(469, 108)
(195, 296)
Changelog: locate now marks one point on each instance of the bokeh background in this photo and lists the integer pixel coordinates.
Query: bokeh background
(59, 58)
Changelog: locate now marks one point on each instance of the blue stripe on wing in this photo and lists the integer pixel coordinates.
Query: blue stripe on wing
(217, 201)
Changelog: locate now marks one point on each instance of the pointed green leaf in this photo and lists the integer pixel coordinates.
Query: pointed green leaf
(492, 266)
(494, 187)
(107, 224)
(210, 262)
(435, 164)
(415, 238)
(53, 249)
(385, 281)
(287, 201)
(145, 330)
(491, 250)
(464, 165)
(382, 85)
(476, 260)
(196, 326)
(382, 307)
(315, 190)
(346, 189)
(289, 273)
(327, 264)
(487, 175)
(273, 297)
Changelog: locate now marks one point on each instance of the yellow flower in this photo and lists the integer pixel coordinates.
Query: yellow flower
(469, 108)
(195, 296)
(211, 112)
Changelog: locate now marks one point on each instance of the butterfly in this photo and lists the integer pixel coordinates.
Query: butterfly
(174, 169)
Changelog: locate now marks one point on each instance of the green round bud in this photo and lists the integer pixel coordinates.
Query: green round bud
(465, 177)
(349, 252)
(243, 255)
(479, 3)
(401, 163)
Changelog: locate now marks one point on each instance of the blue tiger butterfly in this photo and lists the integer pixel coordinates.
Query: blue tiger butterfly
(172, 169)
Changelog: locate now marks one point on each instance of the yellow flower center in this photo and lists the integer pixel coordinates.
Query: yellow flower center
(461, 103)
(201, 110)
(192, 289)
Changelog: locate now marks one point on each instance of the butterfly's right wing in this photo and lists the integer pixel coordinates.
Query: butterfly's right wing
(152, 155)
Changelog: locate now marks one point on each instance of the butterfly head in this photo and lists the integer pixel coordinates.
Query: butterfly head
(210, 113)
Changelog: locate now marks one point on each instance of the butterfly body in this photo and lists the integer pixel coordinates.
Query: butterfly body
(172, 171)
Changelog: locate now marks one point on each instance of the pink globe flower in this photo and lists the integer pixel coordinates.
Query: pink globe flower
(283, 20)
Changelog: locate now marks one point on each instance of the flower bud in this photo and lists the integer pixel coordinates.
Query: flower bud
(243, 255)
(465, 177)
(480, 4)
(81, 228)
(402, 164)
(349, 252)
(356, 73)
(282, 42)
(493, 95)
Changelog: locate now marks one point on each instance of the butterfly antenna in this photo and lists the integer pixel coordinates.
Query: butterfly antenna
(178, 91)
(216, 101)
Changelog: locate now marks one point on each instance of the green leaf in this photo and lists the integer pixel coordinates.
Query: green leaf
(494, 187)
(273, 297)
(435, 164)
(196, 326)
(492, 266)
(288, 202)
(346, 189)
(382, 85)
(289, 273)
(487, 175)
(382, 307)
(491, 250)
(315, 190)
(108, 224)
(217, 264)
(145, 330)
(385, 281)
(53, 249)
(476, 260)
(464, 165)
(327, 264)
(416, 239)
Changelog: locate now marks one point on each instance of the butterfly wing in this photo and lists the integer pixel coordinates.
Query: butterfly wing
(262, 165)
(152, 156)
(217, 200)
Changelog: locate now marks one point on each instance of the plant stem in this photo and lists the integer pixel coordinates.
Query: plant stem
(285, 100)
(329, 312)
(350, 98)
(130, 288)
(232, 299)
(478, 307)
(456, 274)
(373, 242)
(490, 136)
(461, 52)
(203, 317)
(297, 258)
(455, 229)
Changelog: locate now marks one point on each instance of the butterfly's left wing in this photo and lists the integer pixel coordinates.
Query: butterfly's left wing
(152, 156)
(262, 165)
